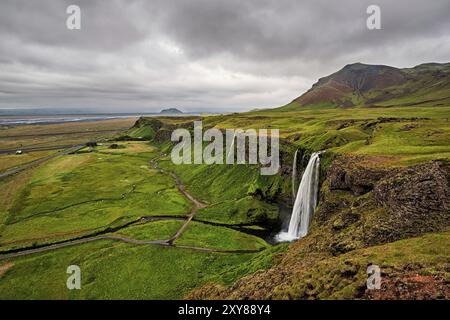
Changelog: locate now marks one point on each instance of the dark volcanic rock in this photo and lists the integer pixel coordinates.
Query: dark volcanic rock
(366, 206)
(346, 174)
(163, 135)
(417, 198)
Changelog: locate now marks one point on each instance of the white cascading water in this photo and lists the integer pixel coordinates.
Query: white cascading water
(305, 202)
(294, 174)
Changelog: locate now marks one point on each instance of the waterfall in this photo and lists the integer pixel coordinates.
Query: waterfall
(230, 149)
(294, 174)
(305, 202)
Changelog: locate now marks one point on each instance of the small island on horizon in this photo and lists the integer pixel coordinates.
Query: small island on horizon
(170, 111)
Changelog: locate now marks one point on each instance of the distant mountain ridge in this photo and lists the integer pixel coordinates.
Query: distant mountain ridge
(380, 85)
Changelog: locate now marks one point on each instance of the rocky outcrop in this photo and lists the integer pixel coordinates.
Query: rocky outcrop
(417, 198)
(163, 135)
(369, 205)
(155, 124)
(347, 173)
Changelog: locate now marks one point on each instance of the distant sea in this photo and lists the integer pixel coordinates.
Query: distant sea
(20, 120)
(8, 121)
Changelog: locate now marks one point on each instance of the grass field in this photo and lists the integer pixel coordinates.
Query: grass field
(90, 191)
(12, 160)
(96, 190)
(114, 271)
(216, 237)
(64, 133)
(413, 135)
(155, 230)
(24, 137)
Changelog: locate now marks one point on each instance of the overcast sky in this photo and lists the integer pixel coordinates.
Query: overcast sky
(201, 55)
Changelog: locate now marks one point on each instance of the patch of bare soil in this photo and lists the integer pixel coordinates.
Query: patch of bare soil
(5, 267)
(411, 287)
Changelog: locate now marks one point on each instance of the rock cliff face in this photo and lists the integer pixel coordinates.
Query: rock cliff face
(417, 199)
(348, 174)
(163, 135)
(365, 206)
(363, 210)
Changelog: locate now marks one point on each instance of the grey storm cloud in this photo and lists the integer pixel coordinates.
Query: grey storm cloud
(202, 55)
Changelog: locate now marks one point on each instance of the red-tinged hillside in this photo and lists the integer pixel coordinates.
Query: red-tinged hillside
(372, 85)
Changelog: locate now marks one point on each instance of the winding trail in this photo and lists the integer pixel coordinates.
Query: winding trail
(165, 242)
(196, 204)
